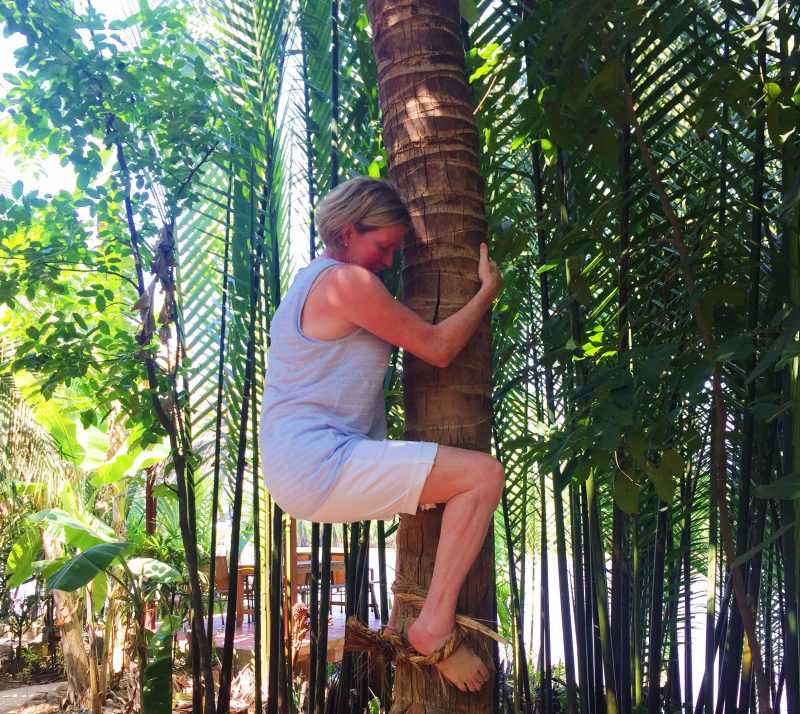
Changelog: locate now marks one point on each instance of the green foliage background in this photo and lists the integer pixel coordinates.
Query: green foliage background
(604, 409)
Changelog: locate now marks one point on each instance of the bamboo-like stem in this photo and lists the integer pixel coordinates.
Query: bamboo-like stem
(601, 595)
(516, 609)
(275, 702)
(672, 691)
(314, 611)
(656, 633)
(212, 566)
(638, 676)
(558, 502)
(312, 228)
(620, 568)
(582, 641)
(734, 652)
(595, 576)
(256, 247)
(706, 332)
(257, 535)
(179, 449)
(324, 605)
(790, 511)
(314, 618)
(547, 667)
(346, 684)
(686, 551)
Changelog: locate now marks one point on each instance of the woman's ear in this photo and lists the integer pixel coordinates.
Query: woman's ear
(347, 234)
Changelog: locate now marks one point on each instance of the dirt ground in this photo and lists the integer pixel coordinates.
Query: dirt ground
(32, 699)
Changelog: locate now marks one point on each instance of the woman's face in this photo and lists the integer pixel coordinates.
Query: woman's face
(373, 249)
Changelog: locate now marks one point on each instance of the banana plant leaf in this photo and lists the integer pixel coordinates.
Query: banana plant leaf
(85, 566)
(22, 555)
(157, 694)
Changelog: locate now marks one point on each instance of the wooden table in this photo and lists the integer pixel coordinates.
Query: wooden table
(301, 571)
(303, 568)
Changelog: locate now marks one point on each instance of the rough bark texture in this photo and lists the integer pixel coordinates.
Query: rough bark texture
(432, 145)
(70, 627)
(114, 657)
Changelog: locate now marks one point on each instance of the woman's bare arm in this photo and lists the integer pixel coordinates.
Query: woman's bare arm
(358, 296)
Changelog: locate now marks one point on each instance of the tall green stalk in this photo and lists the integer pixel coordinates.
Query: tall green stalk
(212, 566)
(257, 248)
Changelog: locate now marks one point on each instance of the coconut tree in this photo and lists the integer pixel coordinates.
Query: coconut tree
(433, 160)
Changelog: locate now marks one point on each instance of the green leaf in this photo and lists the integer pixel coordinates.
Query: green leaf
(469, 11)
(764, 9)
(99, 588)
(73, 531)
(22, 555)
(45, 568)
(606, 143)
(157, 694)
(734, 348)
(16, 189)
(53, 416)
(163, 490)
(127, 464)
(665, 475)
(772, 91)
(85, 566)
(786, 488)
(744, 557)
(94, 442)
(153, 570)
(626, 492)
(637, 448)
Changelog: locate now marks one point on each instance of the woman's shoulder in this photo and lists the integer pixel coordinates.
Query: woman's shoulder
(352, 275)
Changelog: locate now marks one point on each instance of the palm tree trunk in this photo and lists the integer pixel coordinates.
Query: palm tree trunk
(428, 129)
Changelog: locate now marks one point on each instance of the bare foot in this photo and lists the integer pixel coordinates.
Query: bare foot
(391, 624)
(464, 669)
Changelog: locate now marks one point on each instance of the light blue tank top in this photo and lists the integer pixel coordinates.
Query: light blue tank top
(320, 398)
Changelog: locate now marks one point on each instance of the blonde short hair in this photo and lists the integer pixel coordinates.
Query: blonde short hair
(364, 202)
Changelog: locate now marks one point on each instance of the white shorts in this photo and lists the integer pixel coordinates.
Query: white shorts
(379, 480)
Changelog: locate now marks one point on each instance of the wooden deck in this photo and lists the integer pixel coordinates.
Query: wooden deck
(244, 637)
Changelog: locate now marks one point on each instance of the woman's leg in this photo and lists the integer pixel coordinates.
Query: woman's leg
(470, 484)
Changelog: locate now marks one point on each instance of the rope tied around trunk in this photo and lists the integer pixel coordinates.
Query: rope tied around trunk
(388, 645)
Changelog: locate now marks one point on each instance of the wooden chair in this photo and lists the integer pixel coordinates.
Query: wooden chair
(221, 583)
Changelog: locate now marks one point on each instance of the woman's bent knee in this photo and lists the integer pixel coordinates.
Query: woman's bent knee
(493, 478)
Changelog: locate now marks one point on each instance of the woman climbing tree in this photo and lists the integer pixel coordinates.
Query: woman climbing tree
(324, 453)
